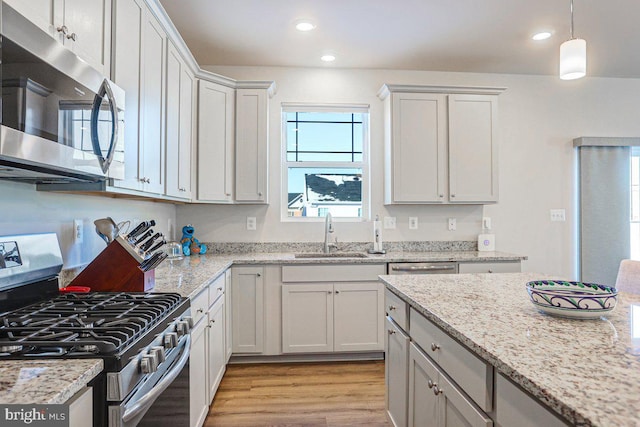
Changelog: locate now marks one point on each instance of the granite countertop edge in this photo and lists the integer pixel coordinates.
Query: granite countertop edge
(42, 387)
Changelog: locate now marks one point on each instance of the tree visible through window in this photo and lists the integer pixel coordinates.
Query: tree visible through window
(325, 161)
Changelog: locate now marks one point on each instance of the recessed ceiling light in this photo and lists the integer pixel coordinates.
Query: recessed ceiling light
(541, 36)
(305, 26)
(328, 58)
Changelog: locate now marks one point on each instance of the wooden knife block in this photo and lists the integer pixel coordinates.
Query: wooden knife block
(115, 269)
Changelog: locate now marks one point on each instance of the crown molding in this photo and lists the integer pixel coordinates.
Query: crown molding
(387, 89)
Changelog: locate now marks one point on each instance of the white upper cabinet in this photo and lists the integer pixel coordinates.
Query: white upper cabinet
(214, 159)
(252, 145)
(440, 144)
(84, 26)
(179, 129)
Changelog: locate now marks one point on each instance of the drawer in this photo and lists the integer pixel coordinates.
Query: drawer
(396, 309)
(471, 373)
(200, 305)
(489, 267)
(217, 288)
(333, 272)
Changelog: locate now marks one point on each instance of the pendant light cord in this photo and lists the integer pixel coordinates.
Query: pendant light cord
(571, 20)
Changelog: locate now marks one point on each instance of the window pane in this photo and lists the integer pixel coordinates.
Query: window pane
(323, 157)
(324, 137)
(315, 191)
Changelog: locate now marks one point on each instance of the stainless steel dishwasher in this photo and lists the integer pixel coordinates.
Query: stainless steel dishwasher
(423, 268)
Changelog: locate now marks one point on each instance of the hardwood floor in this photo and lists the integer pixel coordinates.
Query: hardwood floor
(301, 394)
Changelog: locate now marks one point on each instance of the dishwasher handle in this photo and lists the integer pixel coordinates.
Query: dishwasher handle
(423, 268)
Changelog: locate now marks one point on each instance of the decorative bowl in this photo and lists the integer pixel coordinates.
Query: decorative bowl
(576, 300)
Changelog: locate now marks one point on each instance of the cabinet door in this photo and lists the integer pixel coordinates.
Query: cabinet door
(252, 145)
(418, 148)
(127, 49)
(423, 402)
(152, 97)
(473, 148)
(457, 409)
(307, 318)
(247, 285)
(198, 405)
(187, 99)
(81, 408)
(215, 143)
(216, 360)
(358, 316)
(396, 372)
(228, 337)
(172, 135)
(90, 21)
(40, 12)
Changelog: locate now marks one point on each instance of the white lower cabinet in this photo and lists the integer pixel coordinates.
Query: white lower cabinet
(396, 376)
(434, 400)
(215, 341)
(248, 319)
(81, 408)
(328, 317)
(198, 405)
(227, 316)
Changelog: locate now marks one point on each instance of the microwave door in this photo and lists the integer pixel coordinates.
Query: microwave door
(104, 125)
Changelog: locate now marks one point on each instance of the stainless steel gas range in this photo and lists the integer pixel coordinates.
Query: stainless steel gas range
(143, 338)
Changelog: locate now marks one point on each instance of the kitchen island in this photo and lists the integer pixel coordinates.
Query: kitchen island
(585, 371)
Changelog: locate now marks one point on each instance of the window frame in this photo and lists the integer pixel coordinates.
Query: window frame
(364, 164)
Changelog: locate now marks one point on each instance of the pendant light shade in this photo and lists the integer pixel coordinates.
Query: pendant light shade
(573, 56)
(573, 59)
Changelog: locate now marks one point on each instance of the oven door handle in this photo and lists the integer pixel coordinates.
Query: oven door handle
(147, 400)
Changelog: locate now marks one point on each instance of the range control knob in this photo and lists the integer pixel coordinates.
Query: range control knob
(182, 327)
(158, 351)
(189, 320)
(170, 340)
(148, 363)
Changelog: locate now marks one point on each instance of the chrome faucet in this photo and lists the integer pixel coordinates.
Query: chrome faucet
(328, 229)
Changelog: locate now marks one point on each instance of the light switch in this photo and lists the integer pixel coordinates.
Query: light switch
(251, 223)
(452, 224)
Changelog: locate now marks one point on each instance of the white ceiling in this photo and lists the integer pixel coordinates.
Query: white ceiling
(492, 36)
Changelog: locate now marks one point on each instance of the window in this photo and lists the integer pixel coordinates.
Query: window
(325, 167)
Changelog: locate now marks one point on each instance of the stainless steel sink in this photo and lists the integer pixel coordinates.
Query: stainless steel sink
(331, 255)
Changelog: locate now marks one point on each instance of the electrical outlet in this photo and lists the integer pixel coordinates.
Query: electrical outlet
(413, 223)
(486, 223)
(557, 215)
(251, 223)
(78, 231)
(389, 222)
(452, 224)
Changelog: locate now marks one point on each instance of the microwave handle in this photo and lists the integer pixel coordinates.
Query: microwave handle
(105, 160)
(143, 404)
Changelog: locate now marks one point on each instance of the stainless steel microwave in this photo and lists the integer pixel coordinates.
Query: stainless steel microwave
(62, 120)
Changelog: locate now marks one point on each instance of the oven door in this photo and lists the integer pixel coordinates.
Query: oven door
(162, 398)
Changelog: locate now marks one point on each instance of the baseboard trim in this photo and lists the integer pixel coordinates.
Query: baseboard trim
(301, 358)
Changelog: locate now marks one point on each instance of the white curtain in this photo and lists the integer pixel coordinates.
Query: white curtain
(604, 200)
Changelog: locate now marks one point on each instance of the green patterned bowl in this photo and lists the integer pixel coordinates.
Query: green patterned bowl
(576, 300)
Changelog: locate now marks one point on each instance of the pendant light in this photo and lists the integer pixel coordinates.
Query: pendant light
(573, 56)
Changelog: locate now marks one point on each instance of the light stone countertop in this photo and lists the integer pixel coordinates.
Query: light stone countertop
(586, 370)
(45, 381)
(189, 275)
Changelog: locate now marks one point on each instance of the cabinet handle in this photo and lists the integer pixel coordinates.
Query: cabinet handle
(220, 289)
(337, 292)
(392, 307)
(227, 194)
(431, 384)
(490, 271)
(437, 390)
(441, 195)
(258, 275)
(259, 193)
(453, 195)
(434, 346)
(213, 321)
(200, 310)
(391, 331)
(72, 36)
(181, 189)
(63, 29)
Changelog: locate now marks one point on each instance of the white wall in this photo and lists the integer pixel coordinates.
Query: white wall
(539, 117)
(24, 210)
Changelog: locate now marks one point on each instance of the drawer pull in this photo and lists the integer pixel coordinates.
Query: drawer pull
(431, 384)
(258, 275)
(391, 331)
(435, 346)
(490, 271)
(437, 390)
(220, 289)
(392, 307)
(337, 292)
